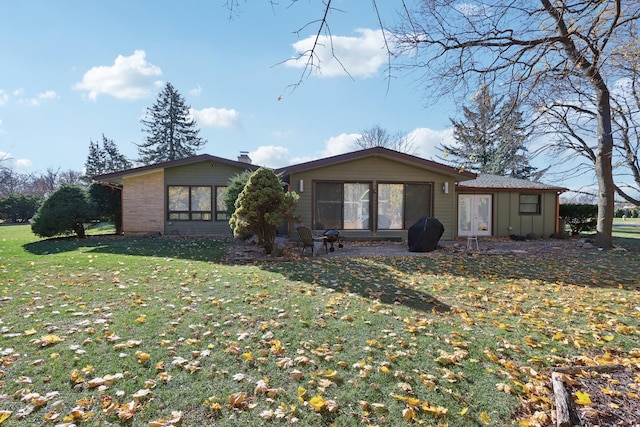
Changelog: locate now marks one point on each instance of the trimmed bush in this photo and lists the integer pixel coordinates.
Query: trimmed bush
(64, 212)
(580, 217)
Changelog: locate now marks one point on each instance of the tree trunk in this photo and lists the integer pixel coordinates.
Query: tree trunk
(79, 229)
(604, 171)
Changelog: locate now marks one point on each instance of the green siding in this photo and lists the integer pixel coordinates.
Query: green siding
(205, 173)
(378, 170)
(508, 220)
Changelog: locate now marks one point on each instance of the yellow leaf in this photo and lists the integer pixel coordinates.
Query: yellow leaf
(408, 414)
(317, 403)
(484, 417)
(141, 319)
(608, 337)
(30, 332)
(142, 356)
(464, 411)
(583, 398)
(4, 416)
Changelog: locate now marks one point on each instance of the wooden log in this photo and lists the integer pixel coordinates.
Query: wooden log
(574, 370)
(563, 413)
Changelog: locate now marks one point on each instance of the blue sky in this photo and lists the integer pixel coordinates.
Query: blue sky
(75, 69)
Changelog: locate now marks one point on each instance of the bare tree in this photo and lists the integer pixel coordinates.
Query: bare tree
(531, 48)
(541, 49)
(377, 136)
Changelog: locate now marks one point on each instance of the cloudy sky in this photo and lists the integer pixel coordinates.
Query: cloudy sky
(73, 70)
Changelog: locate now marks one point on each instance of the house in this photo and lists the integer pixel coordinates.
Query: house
(371, 193)
(184, 196)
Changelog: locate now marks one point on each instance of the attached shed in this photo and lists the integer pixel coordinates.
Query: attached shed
(492, 205)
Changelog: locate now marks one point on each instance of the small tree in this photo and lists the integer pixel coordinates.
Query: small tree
(260, 208)
(171, 132)
(19, 207)
(65, 211)
(108, 204)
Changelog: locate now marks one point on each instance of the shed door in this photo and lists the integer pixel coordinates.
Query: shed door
(474, 215)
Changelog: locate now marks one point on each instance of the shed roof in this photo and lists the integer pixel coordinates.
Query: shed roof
(497, 182)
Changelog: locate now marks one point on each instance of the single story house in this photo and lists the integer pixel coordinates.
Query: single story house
(371, 193)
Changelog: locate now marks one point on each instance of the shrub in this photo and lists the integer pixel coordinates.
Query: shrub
(580, 217)
(19, 207)
(65, 211)
(260, 208)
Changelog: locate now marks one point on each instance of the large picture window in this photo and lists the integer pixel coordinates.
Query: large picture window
(529, 204)
(344, 206)
(401, 205)
(189, 203)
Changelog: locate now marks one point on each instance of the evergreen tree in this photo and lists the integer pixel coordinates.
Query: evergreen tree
(491, 138)
(261, 207)
(105, 159)
(172, 134)
(64, 212)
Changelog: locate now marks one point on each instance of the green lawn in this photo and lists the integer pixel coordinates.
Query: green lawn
(114, 330)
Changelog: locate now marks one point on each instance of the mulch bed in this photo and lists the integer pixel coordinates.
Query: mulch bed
(613, 396)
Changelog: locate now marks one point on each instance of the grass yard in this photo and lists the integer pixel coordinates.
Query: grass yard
(160, 332)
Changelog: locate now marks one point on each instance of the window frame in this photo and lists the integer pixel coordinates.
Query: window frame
(341, 220)
(190, 214)
(406, 223)
(537, 205)
(220, 215)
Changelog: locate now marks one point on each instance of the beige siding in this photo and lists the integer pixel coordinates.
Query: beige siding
(143, 204)
(378, 170)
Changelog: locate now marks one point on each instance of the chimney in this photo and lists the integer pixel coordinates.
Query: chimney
(244, 157)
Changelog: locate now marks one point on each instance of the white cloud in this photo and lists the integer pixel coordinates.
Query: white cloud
(426, 140)
(361, 56)
(343, 143)
(271, 156)
(39, 98)
(130, 77)
(4, 97)
(217, 117)
(20, 164)
(196, 91)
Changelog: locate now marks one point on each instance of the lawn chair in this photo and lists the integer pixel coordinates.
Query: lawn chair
(308, 241)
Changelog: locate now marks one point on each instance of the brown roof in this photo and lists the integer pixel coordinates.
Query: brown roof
(379, 152)
(496, 182)
(117, 176)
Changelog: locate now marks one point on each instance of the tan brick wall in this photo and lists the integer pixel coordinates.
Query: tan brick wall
(143, 204)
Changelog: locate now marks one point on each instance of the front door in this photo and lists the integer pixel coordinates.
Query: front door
(474, 215)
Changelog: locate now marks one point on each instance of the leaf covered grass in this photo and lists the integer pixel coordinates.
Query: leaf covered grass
(160, 331)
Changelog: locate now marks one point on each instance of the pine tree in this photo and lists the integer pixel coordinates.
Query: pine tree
(105, 159)
(491, 139)
(172, 134)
